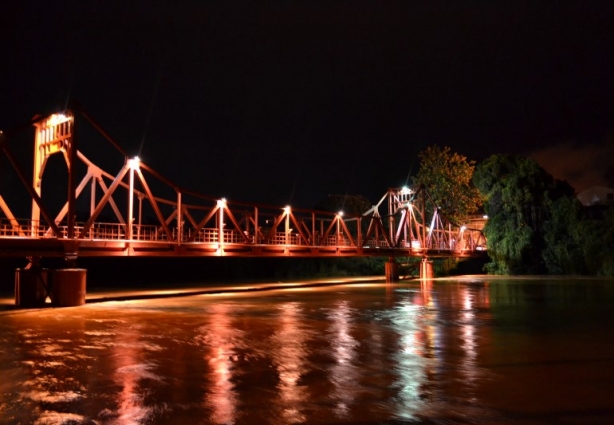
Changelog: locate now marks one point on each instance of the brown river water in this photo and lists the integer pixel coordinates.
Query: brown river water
(469, 350)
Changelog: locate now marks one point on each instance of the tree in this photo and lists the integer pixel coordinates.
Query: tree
(563, 251)
(607, 246)
(518, 197)
(447, 176)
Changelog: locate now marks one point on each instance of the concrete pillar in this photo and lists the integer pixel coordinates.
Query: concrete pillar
(392, 271)
(426, 269)
(68, 287)
(31, 287)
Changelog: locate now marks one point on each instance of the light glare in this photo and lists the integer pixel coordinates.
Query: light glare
(134, 163)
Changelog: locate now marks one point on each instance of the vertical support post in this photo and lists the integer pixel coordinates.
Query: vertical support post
(287, 225)
(391, 224)
(179, 219)
(426, 269)
(423, 212)
(130, 205)
(313, 229)
(138, 230)
(256, 228)
(337, 230)
(133, 165)
(37, 180)
(359, 231)
(220, 226)
(71, 147)
(405, 221)
(93, 196)
(392, 270)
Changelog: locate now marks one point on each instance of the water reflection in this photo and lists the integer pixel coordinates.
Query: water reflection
(468, 338)
(410, 359)
(435, 352)
(343, 374)
(290, 350)
(134, 373)
(219, 337)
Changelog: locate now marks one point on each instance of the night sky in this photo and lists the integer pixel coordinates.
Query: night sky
(287, 102)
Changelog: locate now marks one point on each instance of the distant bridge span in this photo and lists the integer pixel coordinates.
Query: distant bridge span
(404, 223)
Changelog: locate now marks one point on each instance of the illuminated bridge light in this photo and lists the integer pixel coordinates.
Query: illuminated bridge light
(134, 163)
(56, 119)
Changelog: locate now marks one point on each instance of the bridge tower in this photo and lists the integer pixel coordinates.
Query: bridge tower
(54, 134)
(66, 287)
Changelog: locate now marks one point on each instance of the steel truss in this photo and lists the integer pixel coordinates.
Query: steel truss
(191, 224)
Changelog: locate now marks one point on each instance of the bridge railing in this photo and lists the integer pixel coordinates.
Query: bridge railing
(18, 228)
(467, 241)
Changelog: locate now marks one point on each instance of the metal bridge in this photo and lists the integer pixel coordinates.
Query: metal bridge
(404, 223)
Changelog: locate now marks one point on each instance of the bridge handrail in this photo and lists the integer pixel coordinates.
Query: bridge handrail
(101, 231)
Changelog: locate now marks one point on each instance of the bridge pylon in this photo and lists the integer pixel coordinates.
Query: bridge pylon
(54, 135)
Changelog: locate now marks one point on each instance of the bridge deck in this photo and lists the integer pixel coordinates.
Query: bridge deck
(18, 242)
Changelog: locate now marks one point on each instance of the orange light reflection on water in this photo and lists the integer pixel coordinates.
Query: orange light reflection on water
(343, 373)
(289, 357)
(219, 335)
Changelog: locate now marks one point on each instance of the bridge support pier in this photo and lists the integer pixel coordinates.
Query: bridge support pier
(68, 287)
(65, 287)
(426, 269)
(31, 288)
(392, 270)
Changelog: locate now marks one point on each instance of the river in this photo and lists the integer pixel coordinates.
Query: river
(469, 350)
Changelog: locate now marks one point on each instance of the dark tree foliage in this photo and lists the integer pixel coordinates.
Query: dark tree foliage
(315, 268)
(563, 236)
(518, 198)
(597, 243)
(578, 243)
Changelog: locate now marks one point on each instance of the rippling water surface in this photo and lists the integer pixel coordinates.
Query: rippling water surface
(470, 350)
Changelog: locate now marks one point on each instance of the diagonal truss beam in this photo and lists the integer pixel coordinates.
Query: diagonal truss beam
(30, 189)
(202, 223)
(103, 201)
(154, 205)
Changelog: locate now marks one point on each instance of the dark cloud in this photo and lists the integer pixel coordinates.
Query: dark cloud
(581, 165)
